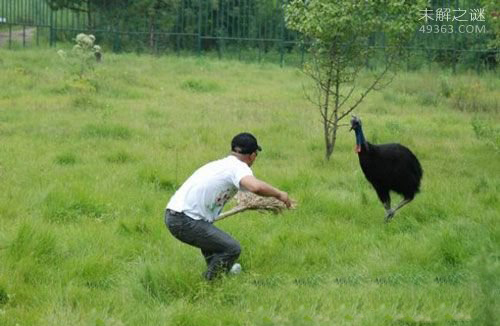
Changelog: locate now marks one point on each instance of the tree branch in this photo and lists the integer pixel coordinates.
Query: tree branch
(368, 90)
(347, 97)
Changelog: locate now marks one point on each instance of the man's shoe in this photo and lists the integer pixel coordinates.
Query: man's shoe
(235, 269)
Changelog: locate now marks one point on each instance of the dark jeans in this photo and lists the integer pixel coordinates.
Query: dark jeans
(219, 248)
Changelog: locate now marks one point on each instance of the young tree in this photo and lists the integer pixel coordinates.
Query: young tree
(159, 14)
(342, 34)
(492, 14)
(83, 56)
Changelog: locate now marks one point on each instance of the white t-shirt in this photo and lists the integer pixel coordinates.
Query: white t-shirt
(205, 192)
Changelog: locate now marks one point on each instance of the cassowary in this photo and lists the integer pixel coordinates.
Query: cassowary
(388, 167)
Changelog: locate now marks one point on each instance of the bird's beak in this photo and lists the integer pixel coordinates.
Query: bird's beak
(350, 129)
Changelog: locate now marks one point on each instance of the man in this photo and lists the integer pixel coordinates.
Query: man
(193, 208)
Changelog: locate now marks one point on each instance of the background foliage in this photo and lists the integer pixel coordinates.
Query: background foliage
(252, 30)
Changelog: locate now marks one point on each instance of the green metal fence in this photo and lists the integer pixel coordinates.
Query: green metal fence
(251, 30)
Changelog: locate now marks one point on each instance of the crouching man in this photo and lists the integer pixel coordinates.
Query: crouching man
(191, 211)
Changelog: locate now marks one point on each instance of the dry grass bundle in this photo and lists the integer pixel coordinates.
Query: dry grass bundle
(249, 201)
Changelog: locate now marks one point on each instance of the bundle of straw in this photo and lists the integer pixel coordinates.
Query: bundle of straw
(249, 201)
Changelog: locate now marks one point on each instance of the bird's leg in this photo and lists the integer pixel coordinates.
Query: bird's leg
(393, 210)
(385, 199)
(388, 211)
(402, 203)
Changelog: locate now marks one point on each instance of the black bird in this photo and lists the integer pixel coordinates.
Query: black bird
(388, 167)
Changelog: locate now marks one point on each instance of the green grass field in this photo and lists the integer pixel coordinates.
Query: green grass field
(87, 167)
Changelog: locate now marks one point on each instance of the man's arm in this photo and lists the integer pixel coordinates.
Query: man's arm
(264, 189)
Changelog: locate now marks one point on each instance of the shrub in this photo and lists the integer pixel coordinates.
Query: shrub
(66, 159)
(200, 86)
(119, 157)
(473, 98)
(107, 131)
(4, 297)
(486, 132)
(83, 56)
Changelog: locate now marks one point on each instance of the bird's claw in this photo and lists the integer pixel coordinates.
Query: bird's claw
(389, 215)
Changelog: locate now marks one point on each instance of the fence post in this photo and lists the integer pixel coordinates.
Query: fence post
(178, 29)
(302, 53)
(455, 57)
(282, 32)
(51, 31)
(33, 11)
(116, 41)
(408, 54)
(55, 28)
(477, 55)
(200, 2)
(241, 29)
(10, 36)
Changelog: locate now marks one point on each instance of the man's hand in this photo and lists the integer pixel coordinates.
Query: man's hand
(285, 199)
(262, 188)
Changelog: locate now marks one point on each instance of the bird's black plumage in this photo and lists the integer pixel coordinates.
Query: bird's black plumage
(391, 167)
(388, 167)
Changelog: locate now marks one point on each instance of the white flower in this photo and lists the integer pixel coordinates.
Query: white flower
(80, 37)
(85, 41)
(61, 54)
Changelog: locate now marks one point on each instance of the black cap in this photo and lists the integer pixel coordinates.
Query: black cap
(245, 143)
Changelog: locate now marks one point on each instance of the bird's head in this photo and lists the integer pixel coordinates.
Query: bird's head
(360, 138)
(355, 123)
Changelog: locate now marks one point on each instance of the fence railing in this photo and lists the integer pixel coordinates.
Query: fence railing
(252, 30)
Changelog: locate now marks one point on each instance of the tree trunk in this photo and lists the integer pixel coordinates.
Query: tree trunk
(326, 121)
(328, 145)
(152, 33)
(329, 150)
(334, 138)
(89, 17)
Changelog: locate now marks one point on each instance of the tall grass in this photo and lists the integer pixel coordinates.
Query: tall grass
(86, 171)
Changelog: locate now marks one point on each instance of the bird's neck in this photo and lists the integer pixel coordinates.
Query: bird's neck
(360, 139)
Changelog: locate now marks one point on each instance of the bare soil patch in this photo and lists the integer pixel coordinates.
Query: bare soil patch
(17, 36)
